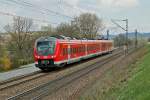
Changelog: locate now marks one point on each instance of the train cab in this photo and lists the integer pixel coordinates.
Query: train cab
(44, 52)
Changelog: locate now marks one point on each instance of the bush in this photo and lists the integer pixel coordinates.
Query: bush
(5, 62)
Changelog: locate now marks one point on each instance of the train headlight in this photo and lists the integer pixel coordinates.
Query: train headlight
(37, 57)
(36, 62)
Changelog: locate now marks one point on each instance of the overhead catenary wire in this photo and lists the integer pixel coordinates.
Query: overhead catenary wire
(38, 8)
(35, 19)
(9, 3)
(62, 2)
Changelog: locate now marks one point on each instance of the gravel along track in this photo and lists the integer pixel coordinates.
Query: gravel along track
(26, 82)
(50, 87)
(21, 79)
(7, 86)
(73, 90)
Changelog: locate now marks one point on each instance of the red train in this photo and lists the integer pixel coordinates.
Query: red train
(53, 52)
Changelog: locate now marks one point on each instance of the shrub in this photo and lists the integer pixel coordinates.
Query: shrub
(5, 62)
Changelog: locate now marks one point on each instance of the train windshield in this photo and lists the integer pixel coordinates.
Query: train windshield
(45, 47)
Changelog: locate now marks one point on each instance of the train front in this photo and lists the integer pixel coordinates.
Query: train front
(44, 52)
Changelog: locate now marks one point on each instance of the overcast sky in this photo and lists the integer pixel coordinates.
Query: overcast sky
(137, 11)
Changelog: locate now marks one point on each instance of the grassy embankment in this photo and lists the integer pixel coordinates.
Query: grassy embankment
(138, 87)
(135, 87)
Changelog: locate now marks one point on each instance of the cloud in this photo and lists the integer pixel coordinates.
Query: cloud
(119, 3)
(72, 2)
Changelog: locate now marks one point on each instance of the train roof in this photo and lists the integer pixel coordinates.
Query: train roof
(47, 38)
(67, 40)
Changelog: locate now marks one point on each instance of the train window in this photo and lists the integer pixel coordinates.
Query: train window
(45, 47)
(70, 50)
(65, 51)
(73, 50)
(80, 49)
(76, 50)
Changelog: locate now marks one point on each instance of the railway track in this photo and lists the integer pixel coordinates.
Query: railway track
(54, 85)
(23, 83)
(21, 79)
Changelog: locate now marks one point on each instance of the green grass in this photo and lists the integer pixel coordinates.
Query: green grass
(137, 86)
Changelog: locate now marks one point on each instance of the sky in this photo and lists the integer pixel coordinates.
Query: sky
(136, 11)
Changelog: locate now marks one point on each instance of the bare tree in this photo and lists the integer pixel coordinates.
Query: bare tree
(120, 40)
(88, 24)
(48, 28)
(20, 34)
(66, 29)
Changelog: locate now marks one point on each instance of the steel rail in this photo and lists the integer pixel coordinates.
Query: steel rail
(54, 85)
(21, 79)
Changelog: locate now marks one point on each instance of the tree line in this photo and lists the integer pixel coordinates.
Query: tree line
(18, 49)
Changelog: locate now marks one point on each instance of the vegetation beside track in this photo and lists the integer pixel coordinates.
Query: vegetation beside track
(124, 83)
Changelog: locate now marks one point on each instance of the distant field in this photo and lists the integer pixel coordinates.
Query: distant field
(136, 85)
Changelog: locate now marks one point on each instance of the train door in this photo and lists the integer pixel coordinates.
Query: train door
(69, 52)
(86, 50)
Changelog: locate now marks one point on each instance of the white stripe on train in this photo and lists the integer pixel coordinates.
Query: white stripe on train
(72, 60)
